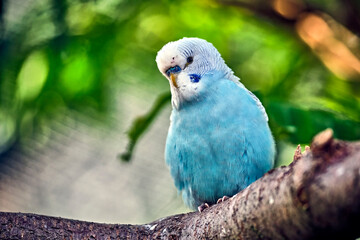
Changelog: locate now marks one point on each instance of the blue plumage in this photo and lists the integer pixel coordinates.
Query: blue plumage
(219, 140)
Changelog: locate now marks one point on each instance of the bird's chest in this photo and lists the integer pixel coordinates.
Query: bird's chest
(195, 152)
(200, 124)
(196, 136)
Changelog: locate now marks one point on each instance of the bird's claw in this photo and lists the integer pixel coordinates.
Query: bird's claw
(203, 206)
(223, 199)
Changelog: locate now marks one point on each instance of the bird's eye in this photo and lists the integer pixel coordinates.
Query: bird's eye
(190, 59)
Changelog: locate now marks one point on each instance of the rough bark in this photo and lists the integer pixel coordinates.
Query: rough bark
(315, 197)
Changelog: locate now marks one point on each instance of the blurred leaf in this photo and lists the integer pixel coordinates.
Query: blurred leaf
(142, 123)
(80, 18)
(32, 76)
(77, 76)
(299, 125)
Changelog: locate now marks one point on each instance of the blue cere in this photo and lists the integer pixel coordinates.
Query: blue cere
(194, 77)
(174, 69)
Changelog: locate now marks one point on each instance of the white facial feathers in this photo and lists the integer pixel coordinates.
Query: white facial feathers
(205, 57)
(180, 60)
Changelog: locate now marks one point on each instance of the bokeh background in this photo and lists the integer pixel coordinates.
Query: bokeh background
(84, 111)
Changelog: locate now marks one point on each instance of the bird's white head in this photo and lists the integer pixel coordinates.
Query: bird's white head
(185, 62)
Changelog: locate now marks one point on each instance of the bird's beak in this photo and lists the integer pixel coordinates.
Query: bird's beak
(173, 80)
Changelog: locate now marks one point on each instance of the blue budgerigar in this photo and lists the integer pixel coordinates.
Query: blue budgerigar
(219, 140)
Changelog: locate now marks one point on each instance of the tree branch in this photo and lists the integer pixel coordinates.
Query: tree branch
(315, 197)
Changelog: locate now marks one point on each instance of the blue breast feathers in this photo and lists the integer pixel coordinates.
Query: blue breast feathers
(218, 145)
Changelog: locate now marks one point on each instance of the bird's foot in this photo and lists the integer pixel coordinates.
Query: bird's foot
(223, 199)
(203, 206)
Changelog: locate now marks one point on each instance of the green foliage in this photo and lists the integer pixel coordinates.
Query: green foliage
(297, 124)
(142, 123)
(63, 55)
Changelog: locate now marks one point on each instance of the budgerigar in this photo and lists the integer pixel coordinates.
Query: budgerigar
(219, 140)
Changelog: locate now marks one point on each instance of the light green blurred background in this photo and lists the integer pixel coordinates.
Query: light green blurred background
(74, 75)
